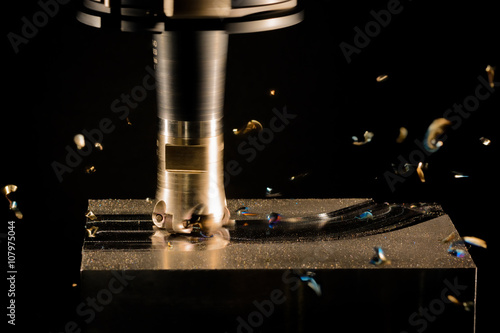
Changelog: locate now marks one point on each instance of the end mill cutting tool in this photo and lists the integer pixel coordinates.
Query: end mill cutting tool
(190, 42)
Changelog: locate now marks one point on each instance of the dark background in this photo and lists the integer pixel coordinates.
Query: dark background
(66, 77)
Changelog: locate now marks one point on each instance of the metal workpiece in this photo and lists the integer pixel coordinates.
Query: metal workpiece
(223, 279)
(311, 234)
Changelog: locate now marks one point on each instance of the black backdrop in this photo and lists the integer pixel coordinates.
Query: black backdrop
(65, 77)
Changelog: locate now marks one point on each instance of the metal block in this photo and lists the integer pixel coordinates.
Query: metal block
(307, 270)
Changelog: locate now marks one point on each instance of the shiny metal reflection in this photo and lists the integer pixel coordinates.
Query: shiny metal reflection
(491, 75)
(403, 133)
(162, 239)
(190, 40)
(90, 215)
(79, 140)
(190, 140)
(8, 191)
(379, 258)
(90, 169)
(368, 136)
(433, 139)
(251, 127)
(485, 141)
(420, 171)
(475, 241)
(92, 231)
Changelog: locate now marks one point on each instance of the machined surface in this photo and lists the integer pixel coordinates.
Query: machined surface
(126, 241)
(231, 281)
